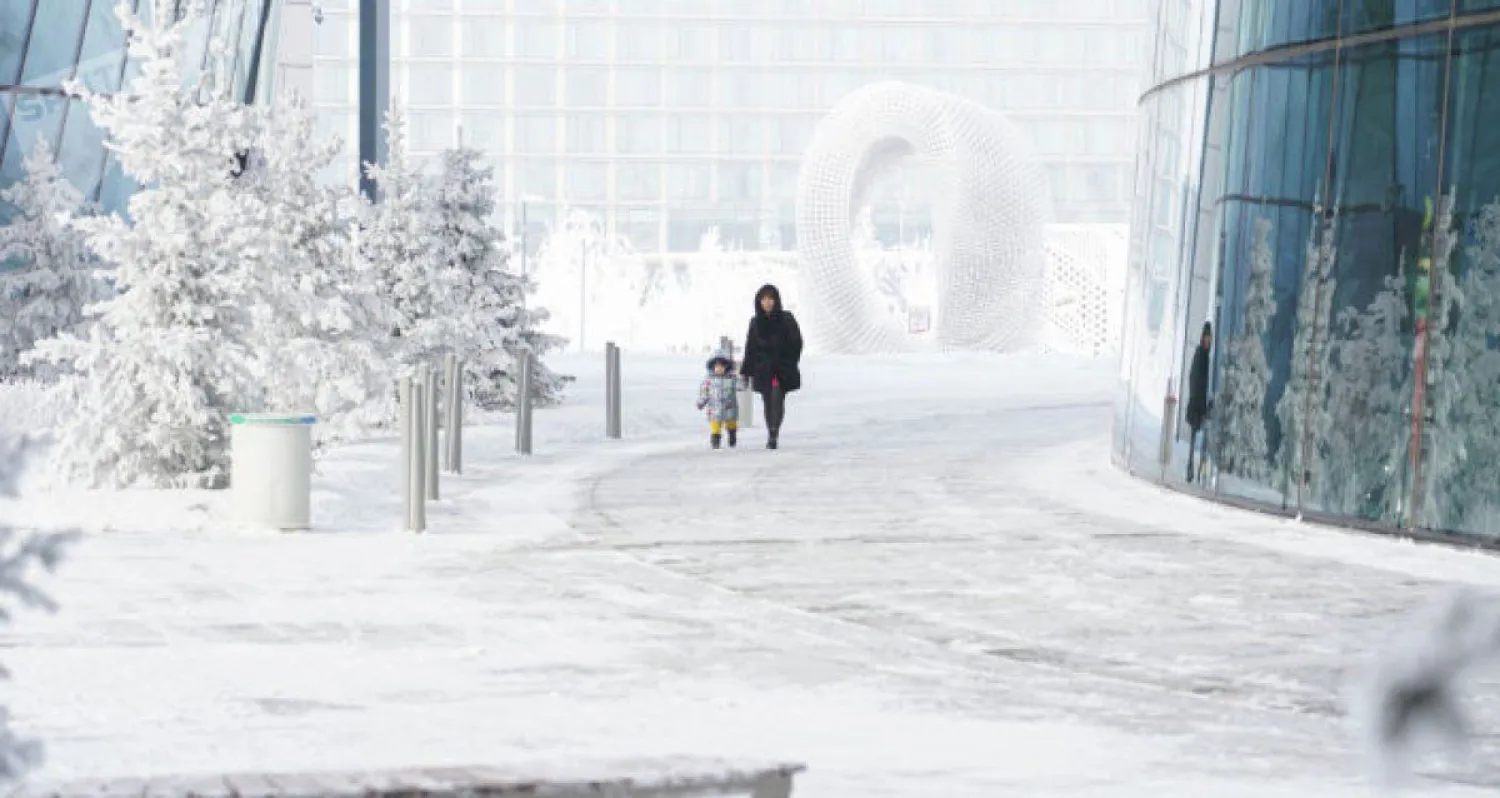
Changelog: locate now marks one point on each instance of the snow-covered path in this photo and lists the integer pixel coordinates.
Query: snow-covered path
(938, 586)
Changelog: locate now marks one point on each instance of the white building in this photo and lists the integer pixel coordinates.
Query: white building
(668, 117)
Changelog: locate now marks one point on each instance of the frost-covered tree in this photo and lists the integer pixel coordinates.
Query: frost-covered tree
(1461, 438)
(166, 362)
(319, 323)
(580, 263)
(1302, 408)
(1369, 388)
(56, 277)
(20, 555)
(398, 239)
(1241, 405)
(496, 321)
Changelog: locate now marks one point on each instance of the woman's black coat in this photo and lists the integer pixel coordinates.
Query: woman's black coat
(773, 347)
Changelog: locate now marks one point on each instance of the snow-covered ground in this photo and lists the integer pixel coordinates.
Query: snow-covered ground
(938, 586)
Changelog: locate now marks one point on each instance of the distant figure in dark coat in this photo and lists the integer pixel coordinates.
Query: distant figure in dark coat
(1198, 404)
(773, 356)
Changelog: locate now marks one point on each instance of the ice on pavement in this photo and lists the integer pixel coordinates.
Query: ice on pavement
(939, 585)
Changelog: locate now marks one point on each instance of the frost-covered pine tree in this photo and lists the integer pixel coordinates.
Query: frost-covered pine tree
(497, 323)
(319, 324)
(1302, 408)
(1369, 380)
(1241, 404)
(156, 377)
(398, 239)
(1461, 436)
(20, 555)
(56, 278)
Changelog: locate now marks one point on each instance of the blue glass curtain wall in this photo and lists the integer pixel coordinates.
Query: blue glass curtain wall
(1348, 260)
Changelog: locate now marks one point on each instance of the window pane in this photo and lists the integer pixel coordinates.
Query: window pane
(689, 133)
(536, 39)
(638, 86)
(638, 134)
(15, 19)
(82, 151)
(536, 134)
(483, 85)
(333, 85)
(586, 181)
(430, 84)
(587, 87)
(103, 51)
(588, 39)
(484, 36)
(485, 132)
(638, 181)
(429, 37)
(49, 57)
(536, 87)
(431, 131)
(586, 134)
(36, 118)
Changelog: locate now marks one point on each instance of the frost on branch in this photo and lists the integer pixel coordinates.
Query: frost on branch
(169, 356)
(55, 278)
(319, 327)
(494, 322)
(398, 240)
(20, 555)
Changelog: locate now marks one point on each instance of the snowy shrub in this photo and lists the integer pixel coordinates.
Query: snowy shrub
(319, 326)
(398, 240)
(490, 300)
(56, 278)
(20, 554)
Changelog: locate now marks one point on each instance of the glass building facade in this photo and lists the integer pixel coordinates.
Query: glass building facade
(45, 43)
(667, 117)
(1319, 179)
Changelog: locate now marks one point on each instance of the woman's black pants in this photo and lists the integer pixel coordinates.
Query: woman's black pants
(775, 404)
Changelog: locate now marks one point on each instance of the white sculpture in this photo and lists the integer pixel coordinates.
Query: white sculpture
(989, 219)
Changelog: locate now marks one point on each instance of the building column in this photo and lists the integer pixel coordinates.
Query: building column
(374, 87)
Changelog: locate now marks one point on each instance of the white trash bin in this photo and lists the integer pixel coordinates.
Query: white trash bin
(270, 477)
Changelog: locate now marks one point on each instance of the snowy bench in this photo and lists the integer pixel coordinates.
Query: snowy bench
(476, 782)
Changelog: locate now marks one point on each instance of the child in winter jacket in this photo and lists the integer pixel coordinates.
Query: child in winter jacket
(717, 397)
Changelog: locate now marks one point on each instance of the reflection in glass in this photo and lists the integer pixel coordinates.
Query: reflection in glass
(50, 58)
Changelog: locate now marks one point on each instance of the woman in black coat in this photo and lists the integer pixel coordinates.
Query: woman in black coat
(1198, 406)
(773, 354)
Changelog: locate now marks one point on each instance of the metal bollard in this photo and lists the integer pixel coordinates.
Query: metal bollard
(609, 391)
(430, 464)
(613, 426)
(416, 520)
(458, 416)
(1168, 429)
(404, 423)
(523, 409)
(452, 413)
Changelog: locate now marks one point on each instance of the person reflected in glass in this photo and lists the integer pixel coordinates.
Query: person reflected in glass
(1198, 405)
(773, 357)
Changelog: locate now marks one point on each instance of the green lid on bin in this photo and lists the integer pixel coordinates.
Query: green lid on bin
(273, 419)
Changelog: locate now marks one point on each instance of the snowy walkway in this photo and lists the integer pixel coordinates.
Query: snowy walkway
(938, 586)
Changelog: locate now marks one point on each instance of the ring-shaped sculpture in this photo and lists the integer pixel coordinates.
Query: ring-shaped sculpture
(990, 209)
